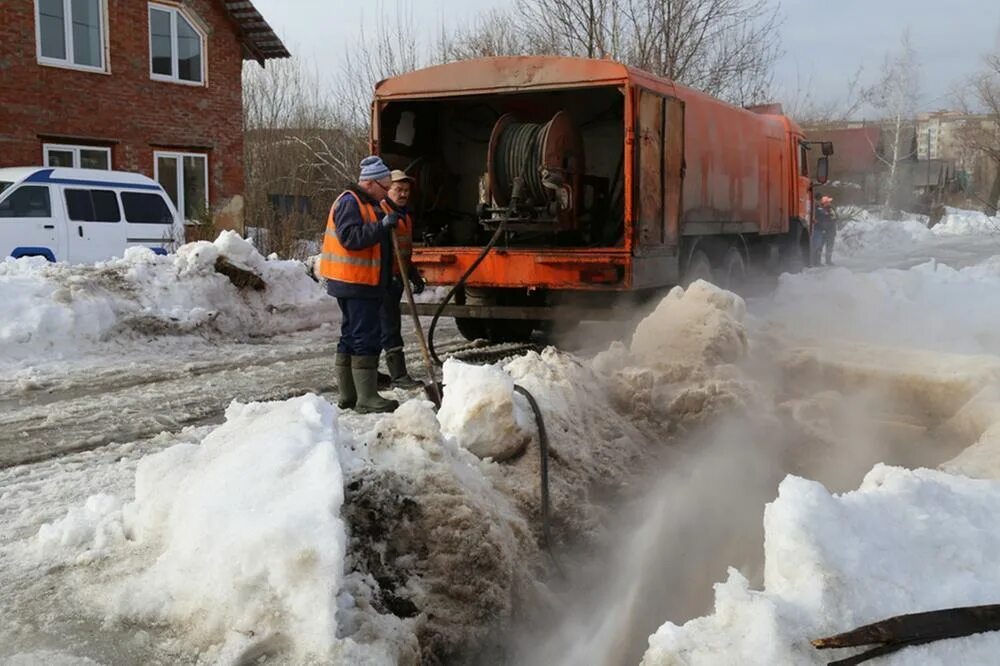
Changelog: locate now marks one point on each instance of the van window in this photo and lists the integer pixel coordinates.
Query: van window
(27, 201)
(92, 206)
(4, 184)
(145, 208)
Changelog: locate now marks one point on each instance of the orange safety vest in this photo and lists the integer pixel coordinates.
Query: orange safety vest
(353, 266)
(404, 235)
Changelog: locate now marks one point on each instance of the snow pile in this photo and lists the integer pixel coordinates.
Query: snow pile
(249, 527)
(904, 542)
(958, 222)
(478, 409)
(245, 529)
(868, 234)
(702, 324)
(59, 310)
(913, 308)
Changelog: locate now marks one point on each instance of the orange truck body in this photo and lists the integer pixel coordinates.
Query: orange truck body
(696, 171)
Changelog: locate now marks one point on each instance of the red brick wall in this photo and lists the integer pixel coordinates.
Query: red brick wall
(124, 107)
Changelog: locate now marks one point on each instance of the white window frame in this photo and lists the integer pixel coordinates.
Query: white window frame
(75, 149)
(175, 52)
(181, 196)
(68, 40)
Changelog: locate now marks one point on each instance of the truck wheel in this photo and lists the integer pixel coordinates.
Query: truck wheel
(733, 272)
(698, 268)
(509, 330)
(471, 329)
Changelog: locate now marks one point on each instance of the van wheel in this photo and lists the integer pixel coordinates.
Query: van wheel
(733, 271)
(698, 268)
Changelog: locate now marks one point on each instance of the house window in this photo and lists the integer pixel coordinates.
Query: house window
(76, 157)
(71, 33)
(185, 178)
(176, 47)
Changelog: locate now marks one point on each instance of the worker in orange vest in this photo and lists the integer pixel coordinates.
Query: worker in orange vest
(825, 230)
(356, 261)
(392, 337)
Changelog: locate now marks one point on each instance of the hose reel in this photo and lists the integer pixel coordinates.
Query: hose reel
(548, 160)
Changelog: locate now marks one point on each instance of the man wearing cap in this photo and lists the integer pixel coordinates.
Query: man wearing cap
(357, 263)
(826, 227)
(391, 316)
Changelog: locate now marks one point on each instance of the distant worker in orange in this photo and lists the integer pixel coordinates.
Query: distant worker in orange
(825, 232)
(356, 261)
(391, 316)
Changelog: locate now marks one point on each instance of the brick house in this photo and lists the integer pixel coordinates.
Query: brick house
(149, 86)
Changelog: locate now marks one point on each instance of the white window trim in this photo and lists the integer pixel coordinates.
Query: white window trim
(175, 77)
(157, 154)
(68, 63)
(75, 149)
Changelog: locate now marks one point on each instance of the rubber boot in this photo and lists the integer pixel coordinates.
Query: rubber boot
(345, 382)
(365, 371)
(396, 362)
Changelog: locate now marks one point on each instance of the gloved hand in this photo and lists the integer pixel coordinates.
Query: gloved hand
(417, 282)
(391, 220)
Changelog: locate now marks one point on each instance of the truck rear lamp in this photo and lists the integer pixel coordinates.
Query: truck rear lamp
(603, 275)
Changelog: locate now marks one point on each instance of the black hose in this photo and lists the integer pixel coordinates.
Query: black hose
(459, 285)
(543, 437)
(543, 453)
(519, 154)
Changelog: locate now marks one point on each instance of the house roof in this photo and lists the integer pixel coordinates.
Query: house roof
(260, 42)
(854, 147)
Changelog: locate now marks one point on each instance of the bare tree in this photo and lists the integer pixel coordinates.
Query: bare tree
(807, 106)
(299, 146)
(726, 48)
(981, 133)
(895, 96)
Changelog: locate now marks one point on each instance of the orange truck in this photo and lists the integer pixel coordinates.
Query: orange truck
(554, 189)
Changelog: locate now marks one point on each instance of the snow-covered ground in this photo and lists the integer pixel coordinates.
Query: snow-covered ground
(308, 535)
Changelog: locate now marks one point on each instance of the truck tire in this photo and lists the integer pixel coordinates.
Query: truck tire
(509, 330)
(698, 268)
(732, 274)
(471, 329)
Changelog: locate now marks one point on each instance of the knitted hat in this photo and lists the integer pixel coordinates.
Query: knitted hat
(373, 168)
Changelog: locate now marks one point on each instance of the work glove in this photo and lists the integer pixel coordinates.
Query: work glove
(417, 283)
(391, 220)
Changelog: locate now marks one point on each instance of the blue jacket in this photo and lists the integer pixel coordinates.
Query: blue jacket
(354, 234)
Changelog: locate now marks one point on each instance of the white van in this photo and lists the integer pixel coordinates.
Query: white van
(83, 215)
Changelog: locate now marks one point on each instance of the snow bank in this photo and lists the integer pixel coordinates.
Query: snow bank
(868, 233)
(60, 311)
(905, 541)
(244, 532)
(917, 308)
(958, 222)
(249, 527)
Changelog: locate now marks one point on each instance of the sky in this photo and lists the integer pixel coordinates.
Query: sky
(825, 42)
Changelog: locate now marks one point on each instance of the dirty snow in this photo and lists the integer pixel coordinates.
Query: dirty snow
(51, 312)
(297, 534)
